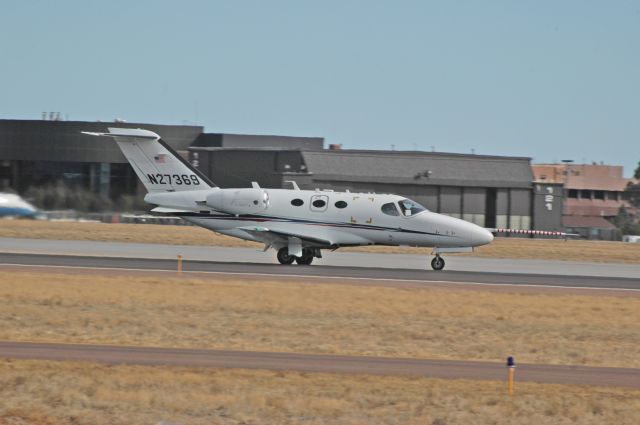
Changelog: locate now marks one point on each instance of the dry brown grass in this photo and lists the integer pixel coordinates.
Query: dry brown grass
(39, 393)
(321, 318)
(140, 233)
(549, 249)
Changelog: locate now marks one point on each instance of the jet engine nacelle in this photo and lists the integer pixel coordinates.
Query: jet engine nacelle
(239, 201)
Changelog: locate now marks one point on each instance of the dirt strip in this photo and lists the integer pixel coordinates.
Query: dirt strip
(447, 369)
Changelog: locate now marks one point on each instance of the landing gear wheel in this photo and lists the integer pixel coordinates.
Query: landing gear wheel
(437, 263)
(284, 257)
(307, 257)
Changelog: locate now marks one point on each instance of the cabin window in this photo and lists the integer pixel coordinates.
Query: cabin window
(319, 203)
(341, 204)
(410, 207)
(297, 202)
(390, 209)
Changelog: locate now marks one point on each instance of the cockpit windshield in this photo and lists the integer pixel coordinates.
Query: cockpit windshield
(410, 208)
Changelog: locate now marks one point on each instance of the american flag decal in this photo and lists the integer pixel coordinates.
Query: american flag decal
(160, 158)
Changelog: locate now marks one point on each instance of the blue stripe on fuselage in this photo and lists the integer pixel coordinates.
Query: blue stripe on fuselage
(250, 217)
(15, 211)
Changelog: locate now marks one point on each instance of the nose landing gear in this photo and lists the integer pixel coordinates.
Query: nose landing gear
(437, 263)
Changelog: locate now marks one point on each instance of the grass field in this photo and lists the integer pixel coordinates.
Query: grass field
(47, 393)
(575, 250)
(266, 315)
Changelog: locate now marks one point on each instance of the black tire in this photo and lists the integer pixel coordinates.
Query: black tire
(307, 257)
(437, 263)
(284, 257)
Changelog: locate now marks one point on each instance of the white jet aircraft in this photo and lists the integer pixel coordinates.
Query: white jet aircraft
(298, 224)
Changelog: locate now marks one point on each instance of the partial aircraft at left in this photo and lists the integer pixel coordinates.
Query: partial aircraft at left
(12, 205)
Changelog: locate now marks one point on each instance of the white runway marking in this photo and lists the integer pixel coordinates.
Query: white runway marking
(276, 275)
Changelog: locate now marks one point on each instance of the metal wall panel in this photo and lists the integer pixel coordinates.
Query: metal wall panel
(450, 200)
(236, 169)
(474, 200)
(520, 202)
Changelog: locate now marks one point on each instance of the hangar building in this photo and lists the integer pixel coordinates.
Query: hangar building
(492, 191)
(41, 152)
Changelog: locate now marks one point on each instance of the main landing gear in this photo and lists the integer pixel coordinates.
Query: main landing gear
(307, 256)
(437, 263)
(284, 257)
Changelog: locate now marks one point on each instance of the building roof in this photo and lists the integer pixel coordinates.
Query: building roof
(421, 168)
(578, 221)
(225, 140)
(582, 176)
(43, 140)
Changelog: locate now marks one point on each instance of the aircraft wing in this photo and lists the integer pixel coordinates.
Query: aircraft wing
(269, 236)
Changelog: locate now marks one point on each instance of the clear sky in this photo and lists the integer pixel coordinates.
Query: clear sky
(547, 79)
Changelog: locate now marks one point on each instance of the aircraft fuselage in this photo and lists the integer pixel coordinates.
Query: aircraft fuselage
(341, 218)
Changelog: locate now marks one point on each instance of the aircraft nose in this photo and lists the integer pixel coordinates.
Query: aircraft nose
(481, 236)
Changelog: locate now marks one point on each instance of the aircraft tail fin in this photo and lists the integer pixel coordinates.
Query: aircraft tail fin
(159, 167)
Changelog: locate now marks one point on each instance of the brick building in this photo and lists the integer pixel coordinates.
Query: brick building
(593, 195)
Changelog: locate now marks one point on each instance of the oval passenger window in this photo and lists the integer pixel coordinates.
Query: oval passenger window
(297, 202)
(319, 203)
(341, 204)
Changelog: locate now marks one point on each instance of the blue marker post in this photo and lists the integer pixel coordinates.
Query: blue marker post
(511, 367)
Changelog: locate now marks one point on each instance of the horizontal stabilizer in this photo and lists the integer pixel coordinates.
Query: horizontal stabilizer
(126, 133)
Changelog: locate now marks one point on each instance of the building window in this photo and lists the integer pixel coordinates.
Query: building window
(341, 204)
(297, 202)
(598, 194)
(585, 194)
(390, 209)
(573, 193)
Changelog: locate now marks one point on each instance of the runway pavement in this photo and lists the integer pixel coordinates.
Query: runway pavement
(369, 273)
(448, 369)
(338, 258)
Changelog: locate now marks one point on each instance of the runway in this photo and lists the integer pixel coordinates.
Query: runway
(373, 274)
(445, 369)
(339, 258)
